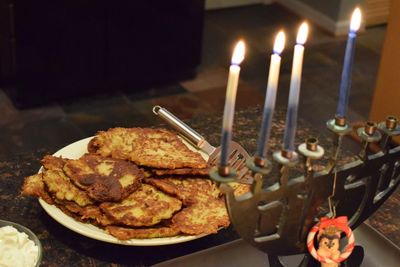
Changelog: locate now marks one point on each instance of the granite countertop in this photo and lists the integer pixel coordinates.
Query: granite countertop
(63, 247)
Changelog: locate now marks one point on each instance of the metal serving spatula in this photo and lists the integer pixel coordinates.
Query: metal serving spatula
(237, 157)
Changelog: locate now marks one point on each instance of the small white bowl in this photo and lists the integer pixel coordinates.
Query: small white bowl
(30, 234)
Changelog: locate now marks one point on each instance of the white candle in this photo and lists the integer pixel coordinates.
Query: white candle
(295, 82)
(229, 109)
(269, 105)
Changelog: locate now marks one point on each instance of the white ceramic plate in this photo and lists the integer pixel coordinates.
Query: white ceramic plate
(74, 151)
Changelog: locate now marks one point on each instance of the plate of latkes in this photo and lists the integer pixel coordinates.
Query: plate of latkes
(130, 186)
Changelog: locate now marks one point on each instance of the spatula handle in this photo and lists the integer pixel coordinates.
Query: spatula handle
(194, 137)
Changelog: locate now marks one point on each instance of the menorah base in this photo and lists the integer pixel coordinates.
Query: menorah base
(354, 260)
(378, 252)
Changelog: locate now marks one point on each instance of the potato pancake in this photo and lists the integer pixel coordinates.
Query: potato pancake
(205, 212)
(189, 190)
(53, 163)
(61, 188)
(183, 171)
(202, 217)
(34, 186)
(90, 213)
(104, 179)
(157, 148)
(123, 233)
(146, 206)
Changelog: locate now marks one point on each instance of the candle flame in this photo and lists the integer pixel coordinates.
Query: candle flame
(355, 20)
(279, 44)
(238, 53)
(302, 33)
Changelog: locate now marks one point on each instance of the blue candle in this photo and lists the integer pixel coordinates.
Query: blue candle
(345, 82)
(295, 82)
(269, 105)
(231, 88)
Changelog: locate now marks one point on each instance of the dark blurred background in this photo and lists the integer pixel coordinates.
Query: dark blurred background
(59, 49)
(71, 68)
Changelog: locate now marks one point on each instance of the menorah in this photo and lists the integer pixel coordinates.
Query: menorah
(277, 219)
(283, 218)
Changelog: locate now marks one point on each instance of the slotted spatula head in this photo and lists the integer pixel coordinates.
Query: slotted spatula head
(237, 160)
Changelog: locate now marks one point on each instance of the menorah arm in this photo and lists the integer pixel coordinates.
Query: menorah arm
(246, 133)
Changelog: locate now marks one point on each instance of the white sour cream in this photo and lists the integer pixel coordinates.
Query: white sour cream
(16, 249)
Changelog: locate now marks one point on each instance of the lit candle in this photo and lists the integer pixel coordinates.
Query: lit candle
(345, 82)
(269, 105)
(295, 81)
(229, 109)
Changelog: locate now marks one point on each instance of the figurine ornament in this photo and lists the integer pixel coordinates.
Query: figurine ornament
(329, 231)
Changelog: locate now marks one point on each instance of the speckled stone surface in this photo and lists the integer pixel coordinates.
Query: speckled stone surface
(63, 247)
(387, 219)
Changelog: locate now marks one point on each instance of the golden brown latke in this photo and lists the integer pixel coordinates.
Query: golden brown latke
(34, 186)
(124, 233)
(189, 190)
(116, 143)
(50, 162)
(146, 206)
(104, 179)
(61, 188)
(202, 217)
(183, 171)
(71, 214)
(156, 148)
(90, 213)
(205, 212)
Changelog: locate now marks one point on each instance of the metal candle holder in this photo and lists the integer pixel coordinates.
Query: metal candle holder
(277, 219)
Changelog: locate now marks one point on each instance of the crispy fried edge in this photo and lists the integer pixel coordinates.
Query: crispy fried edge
(165, 185)
(52, 192)
(90, 213)
(124, 233)
(34, 186)
(50, 162)
(181, 171)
